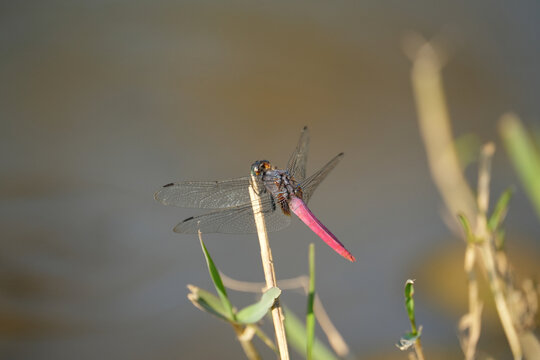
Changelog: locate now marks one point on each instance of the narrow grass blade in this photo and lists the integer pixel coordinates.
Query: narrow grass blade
(216, 278)
(255, 312)
(296, 334)
(208, 302)
(524, 155)
(310, 315)
(500, 210)
(467, 227)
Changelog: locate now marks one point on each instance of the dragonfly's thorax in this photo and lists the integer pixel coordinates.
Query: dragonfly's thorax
(280, 183)
(282, 186)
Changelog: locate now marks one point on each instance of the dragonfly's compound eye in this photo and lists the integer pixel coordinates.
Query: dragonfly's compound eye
(255, 168)
(260, 166)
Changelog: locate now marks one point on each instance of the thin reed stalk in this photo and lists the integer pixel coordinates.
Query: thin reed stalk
(488, 254)
(268, 267)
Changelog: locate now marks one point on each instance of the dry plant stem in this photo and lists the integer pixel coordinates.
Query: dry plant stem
(484, 172)
(244, 335)
(437, 135)
(335, 339)
(418, 349)
(268, 266)
(436, 132)
(258, 287)
(488, 254)
(434, 122)
(472, 320)
(500, 301)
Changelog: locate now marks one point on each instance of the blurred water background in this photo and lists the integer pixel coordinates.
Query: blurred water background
(102, 102)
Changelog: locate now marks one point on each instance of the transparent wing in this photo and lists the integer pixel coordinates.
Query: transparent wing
(206, 194)
(310, 184)
(297, 162)
(236, 220)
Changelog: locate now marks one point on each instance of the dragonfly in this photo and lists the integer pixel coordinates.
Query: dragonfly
(281, 192)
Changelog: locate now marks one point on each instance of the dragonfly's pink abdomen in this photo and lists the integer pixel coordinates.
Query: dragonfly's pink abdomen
(303, 212)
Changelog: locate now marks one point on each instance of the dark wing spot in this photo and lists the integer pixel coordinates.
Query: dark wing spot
(171, 184)
(189, 218)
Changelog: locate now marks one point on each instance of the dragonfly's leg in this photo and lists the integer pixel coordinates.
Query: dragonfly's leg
(273, 203)
(258, 188)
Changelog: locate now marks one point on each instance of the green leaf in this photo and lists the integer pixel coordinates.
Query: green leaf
(310, 315)
(467, 227)
(409, 303)
(208, 302)
(255, 312)
(296, 335)
(524, 155)
(500, 210)
(218, 283)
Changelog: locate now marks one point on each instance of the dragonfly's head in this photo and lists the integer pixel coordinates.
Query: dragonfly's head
(259, 167)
